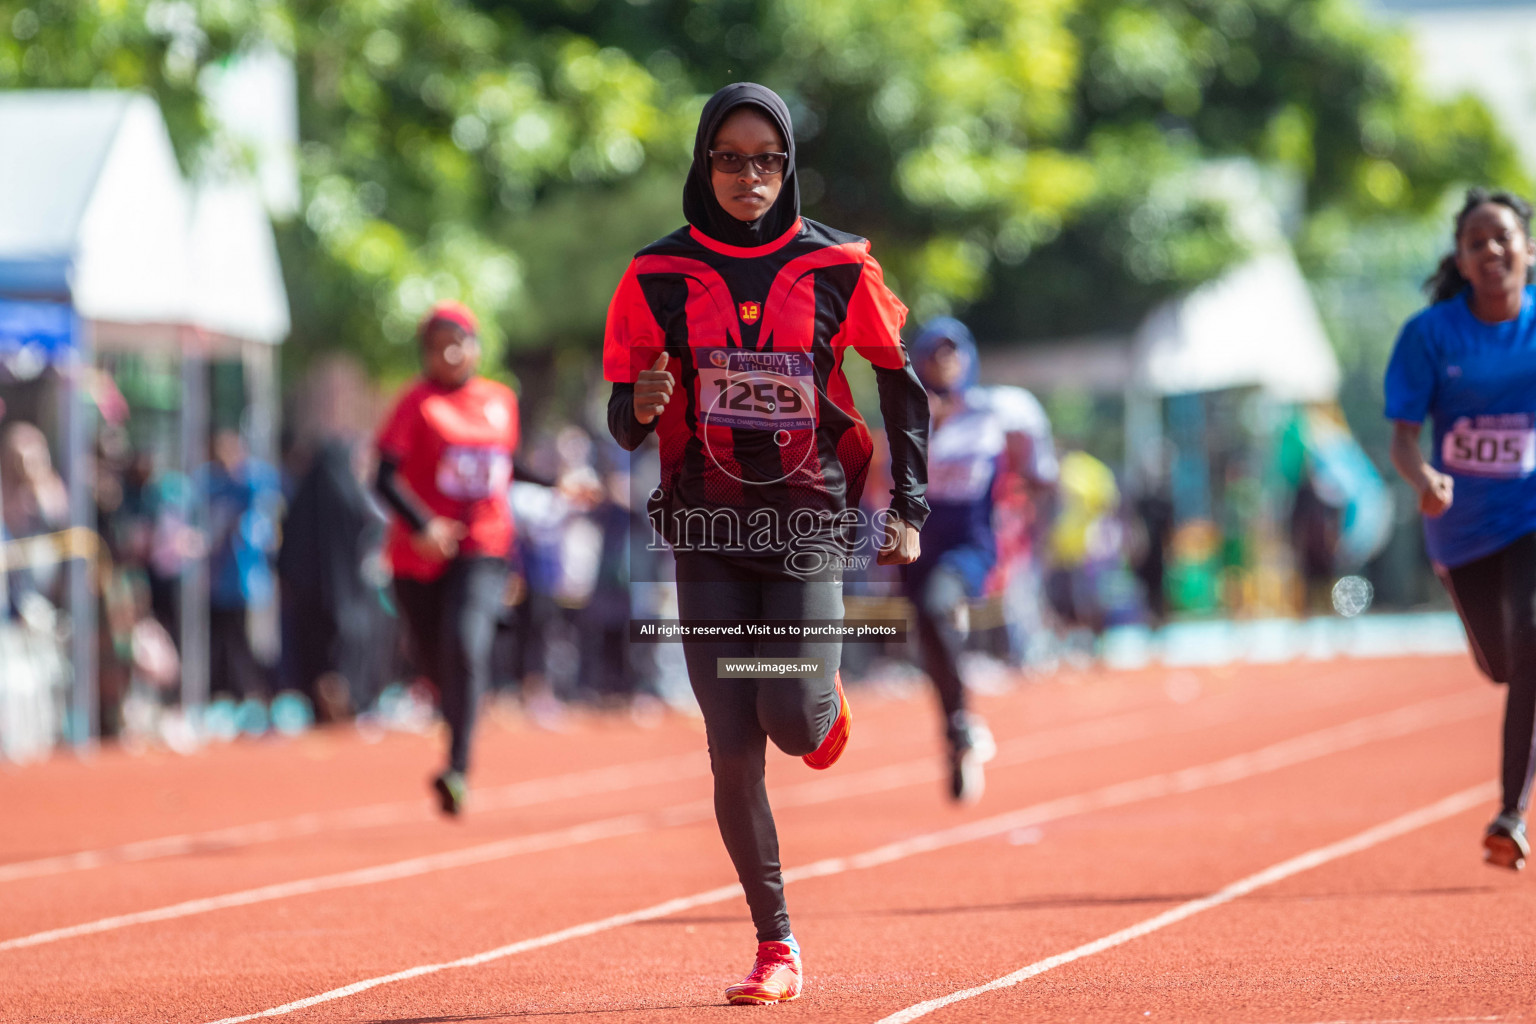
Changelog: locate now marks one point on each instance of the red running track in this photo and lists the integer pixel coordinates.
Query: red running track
(1290, 843)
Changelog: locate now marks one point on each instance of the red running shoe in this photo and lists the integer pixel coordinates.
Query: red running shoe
(775, 977)
(1505, 845)
(826, 755)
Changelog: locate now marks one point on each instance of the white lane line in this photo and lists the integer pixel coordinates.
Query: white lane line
(1310, 746)
(1410, 1020)
(1386, 725)
(674, 906)
(559, 839)
(1083, 735)
(1090, 734)
(1337, 738)
(612, 779)
(1438, 811)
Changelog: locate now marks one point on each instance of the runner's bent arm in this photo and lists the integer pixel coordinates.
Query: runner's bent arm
(622, 424)
(904, 405)
(1411, 386)
(873, 329)
(1435, 489)
(405, 504)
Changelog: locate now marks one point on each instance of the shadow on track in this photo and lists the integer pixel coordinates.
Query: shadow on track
(516, 1014)
(1087, 900)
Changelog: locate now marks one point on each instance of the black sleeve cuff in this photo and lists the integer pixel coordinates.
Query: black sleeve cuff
(628, 431)
(904, 406)
(387, 483)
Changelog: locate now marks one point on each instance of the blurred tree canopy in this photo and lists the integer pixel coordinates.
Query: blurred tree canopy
(1039, 165)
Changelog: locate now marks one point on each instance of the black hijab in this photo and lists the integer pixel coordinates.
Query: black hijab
(701, 207)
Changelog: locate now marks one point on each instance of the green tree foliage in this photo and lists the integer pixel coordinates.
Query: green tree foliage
(158, 48)
(1040, 163)
(445, 148)
(440, 139)
(1044, 163)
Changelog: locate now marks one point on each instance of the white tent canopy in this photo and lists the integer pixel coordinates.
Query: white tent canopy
(1254, 327)
(237, 281)
(94, 210)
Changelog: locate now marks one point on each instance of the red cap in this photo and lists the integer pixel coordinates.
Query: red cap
(449, 311)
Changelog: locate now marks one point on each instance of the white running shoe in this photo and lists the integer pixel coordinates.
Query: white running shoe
(970, 749)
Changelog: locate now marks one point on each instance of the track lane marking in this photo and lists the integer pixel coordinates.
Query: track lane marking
(610, 779)
(1084, 734)
(1449, 807)
(1089, 733)
(1380, 726)
(1286, 753)
(1409, 1020)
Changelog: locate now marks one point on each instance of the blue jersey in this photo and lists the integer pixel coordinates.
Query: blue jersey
(1477, 384)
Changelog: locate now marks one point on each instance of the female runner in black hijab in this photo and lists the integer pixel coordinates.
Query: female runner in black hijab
(727, 338)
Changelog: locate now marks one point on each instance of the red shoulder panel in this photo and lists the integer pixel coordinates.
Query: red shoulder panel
(632, 339)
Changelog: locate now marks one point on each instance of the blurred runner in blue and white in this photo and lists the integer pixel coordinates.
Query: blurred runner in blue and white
(985, 443)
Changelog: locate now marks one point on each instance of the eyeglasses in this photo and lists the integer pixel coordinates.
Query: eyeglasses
(727, 162)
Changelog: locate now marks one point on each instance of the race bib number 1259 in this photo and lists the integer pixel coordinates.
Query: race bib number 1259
(1502, 445)
(757, 390)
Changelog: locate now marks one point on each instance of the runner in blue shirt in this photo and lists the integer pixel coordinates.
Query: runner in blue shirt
(1469, 363)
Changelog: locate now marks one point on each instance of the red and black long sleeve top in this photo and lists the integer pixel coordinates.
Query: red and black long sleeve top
(763, 418)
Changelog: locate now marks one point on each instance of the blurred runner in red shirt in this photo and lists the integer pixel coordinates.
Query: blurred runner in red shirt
(445, 465)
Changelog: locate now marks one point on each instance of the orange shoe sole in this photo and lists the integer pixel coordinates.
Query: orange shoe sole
(745, 999)
(826, 755)
(1502, 852)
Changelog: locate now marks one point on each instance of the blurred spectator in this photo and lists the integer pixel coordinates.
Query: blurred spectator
(243, 501)
(138, 667)
(1087, 545)
(335, 628)
(33, 502)
(608, 669)
(539, 652)
(1239, 515)
(1314, 537)
(116, 581)
(1022, 514)
(166, 498)
(1152, 529)
(129, 528)
(566, 628)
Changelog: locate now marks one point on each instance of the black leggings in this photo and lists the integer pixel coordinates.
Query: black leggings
(740, 715)
(452, 621)
(936, 598)
(1496, 596)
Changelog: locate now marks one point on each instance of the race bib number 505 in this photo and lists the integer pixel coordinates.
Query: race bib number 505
(757, 390)
(1502, 445)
